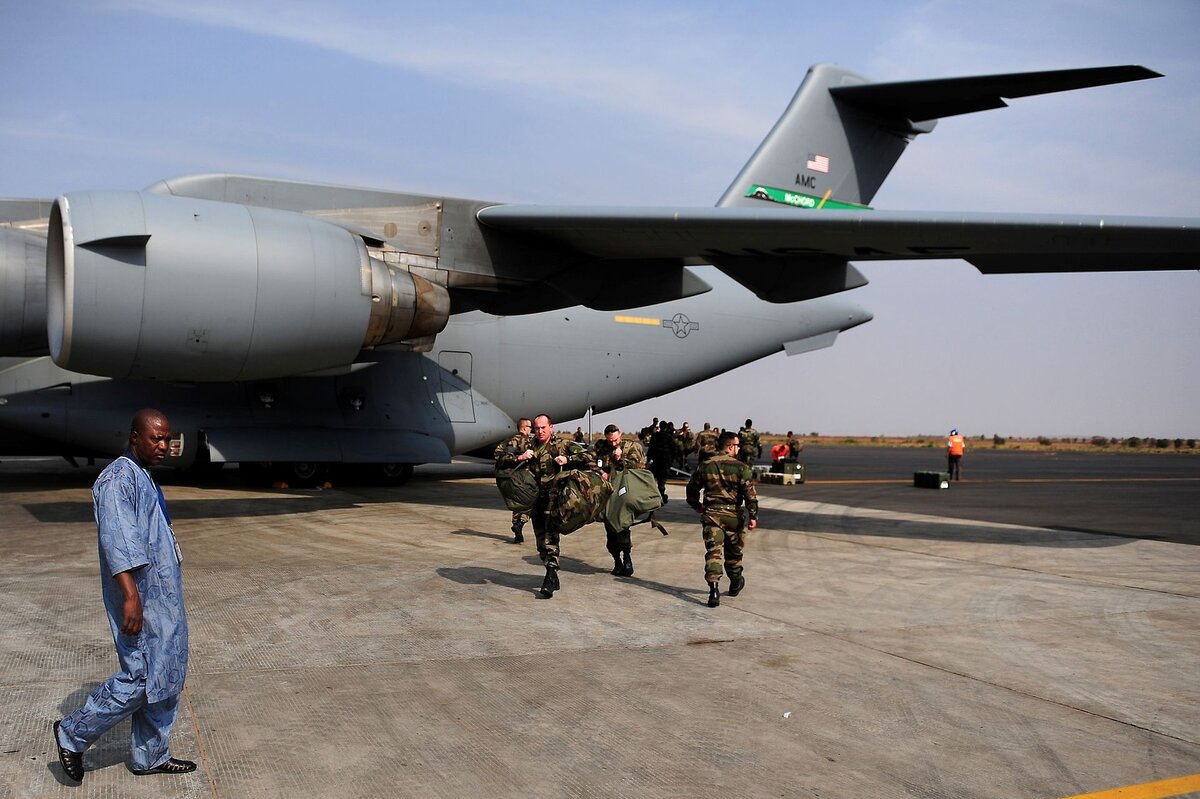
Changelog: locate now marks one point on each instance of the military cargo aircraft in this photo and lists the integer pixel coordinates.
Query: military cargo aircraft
(308, 325)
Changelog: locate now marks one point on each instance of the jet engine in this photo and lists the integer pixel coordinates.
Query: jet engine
(154, 286)
(22, 293)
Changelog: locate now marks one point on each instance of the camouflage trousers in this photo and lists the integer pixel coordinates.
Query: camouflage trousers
(520, 518)
(724, 538)
(661, 470)
(616, 541)
(547, 542)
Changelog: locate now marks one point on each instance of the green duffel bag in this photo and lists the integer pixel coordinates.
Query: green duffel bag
(634, 492)
(577, 497)
(518, 486)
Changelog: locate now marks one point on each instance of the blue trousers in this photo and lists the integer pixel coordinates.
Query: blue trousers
(119, 697)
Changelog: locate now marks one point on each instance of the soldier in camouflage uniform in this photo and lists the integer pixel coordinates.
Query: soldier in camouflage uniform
(615, 455)
(749, 446)
(727, 484)
(648, 431)
(506, 457)
(795, 446)
(663, 450)
(548, 456)
(687, 444)
(706, 443)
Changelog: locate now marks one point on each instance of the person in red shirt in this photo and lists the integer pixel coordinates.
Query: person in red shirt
(955, 446)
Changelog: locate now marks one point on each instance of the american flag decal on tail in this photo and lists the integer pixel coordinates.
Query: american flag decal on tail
(817, 162)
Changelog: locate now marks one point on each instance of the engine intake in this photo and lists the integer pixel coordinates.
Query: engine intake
(153, 286)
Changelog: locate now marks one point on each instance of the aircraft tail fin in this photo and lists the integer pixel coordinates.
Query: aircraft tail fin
(841, 134)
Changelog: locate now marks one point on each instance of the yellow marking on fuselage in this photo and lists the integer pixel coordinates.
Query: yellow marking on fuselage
(637, 320)
(1147, 790)
(824, 199)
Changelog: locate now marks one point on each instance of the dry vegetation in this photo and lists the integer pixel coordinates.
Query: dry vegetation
(1039, 444)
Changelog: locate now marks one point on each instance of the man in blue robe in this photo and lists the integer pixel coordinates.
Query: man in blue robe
(142, 583)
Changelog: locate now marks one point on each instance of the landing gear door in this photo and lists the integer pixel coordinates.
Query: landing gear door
(454, 390)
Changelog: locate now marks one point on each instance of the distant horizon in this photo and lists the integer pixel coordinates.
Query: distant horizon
(561, 427)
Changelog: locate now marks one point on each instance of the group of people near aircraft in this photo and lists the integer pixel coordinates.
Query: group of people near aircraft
(721, 489)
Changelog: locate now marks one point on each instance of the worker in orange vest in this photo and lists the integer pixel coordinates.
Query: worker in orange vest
(955, 446)
(779, 453)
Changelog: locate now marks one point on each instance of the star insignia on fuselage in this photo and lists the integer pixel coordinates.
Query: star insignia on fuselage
(680, 325)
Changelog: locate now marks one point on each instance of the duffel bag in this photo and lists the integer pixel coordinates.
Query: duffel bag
(577, 497)
(518, 486)
(634, 492)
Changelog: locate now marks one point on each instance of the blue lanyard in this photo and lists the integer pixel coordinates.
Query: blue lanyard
(162, 500)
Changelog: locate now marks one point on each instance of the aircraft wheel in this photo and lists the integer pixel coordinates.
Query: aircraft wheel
(394, 474)
(300, 474)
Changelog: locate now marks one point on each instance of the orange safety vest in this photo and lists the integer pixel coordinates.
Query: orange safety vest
(779, 452)
(956, 445)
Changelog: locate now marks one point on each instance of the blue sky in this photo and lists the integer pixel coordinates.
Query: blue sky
(662, 103)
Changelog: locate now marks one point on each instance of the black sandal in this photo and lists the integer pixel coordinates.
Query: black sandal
(71, 762)
(169, 766)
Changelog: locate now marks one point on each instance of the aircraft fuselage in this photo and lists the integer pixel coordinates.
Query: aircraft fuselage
(483, 372)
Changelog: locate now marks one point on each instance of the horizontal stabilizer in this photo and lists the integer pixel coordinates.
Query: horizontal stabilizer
(923, 100)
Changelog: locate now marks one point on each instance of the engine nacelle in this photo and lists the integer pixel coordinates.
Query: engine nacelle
(146, 285)
(22, 293)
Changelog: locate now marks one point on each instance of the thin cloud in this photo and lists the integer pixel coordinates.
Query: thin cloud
(532, 58)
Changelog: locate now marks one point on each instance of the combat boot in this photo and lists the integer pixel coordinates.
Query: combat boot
(618, 567)
(736, 584)
(714, 594)
(627, 569)
(516, 528)
(550, 584)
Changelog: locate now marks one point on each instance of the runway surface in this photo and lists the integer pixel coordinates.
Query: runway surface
(1030, 632)
(1124, 494)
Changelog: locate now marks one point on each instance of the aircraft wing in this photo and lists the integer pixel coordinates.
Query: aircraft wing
(778, 252)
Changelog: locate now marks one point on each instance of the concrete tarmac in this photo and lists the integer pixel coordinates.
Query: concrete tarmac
(982, 641)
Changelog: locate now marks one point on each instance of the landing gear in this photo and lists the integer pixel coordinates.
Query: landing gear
(307, 474)
(373, 474)
(394, 474)
(299, 474)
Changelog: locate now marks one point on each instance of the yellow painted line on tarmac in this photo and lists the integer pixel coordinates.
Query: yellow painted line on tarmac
(857, 482)
(1021, 480)
(1147, 790)
(1102, 480)
(907, 481)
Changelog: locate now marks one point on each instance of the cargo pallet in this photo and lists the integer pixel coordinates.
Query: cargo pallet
(792, 473)
(931, 479)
